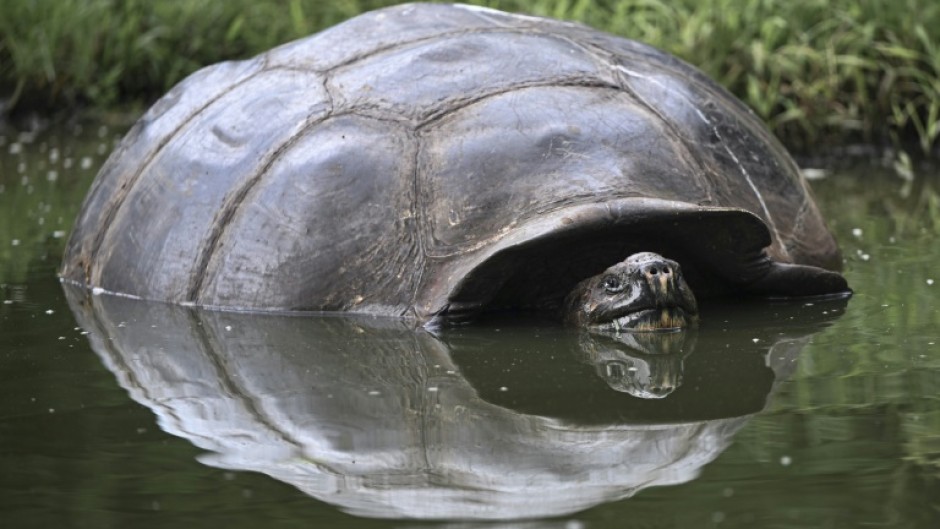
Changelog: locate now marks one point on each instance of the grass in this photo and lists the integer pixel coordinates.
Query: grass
(817, 71)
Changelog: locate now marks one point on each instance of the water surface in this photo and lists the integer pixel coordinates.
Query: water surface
(122, 413)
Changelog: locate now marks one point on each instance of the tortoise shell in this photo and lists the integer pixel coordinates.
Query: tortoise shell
(426, 160)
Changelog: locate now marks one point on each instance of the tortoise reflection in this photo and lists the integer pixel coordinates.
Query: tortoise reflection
(647, 365)
(383, 420)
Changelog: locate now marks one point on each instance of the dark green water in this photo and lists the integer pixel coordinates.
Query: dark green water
(115, 413)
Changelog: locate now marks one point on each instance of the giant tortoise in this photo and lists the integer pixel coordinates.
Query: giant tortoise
(438, 161)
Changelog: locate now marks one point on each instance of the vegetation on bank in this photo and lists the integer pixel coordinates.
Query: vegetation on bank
(818, 71)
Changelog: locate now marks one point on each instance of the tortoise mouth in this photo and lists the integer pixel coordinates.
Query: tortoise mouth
(650, 319)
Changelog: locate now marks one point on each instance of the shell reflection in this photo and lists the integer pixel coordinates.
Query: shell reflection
(383, 420)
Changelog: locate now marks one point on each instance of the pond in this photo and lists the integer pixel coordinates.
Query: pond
(121, 413)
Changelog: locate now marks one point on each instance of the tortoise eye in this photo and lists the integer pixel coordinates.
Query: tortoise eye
(612, 284)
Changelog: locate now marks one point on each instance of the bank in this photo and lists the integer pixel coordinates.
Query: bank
(819, 72)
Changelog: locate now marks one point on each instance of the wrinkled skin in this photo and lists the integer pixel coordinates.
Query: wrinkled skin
(646, 292)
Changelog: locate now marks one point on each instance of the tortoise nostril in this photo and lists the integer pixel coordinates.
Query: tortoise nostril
(656, 268)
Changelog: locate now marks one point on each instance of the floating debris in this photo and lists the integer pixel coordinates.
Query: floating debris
(814, 173)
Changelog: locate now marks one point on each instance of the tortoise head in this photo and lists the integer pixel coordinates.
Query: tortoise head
(541, 265)
(645, 292)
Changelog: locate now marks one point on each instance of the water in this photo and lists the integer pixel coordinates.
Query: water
(121, 413)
